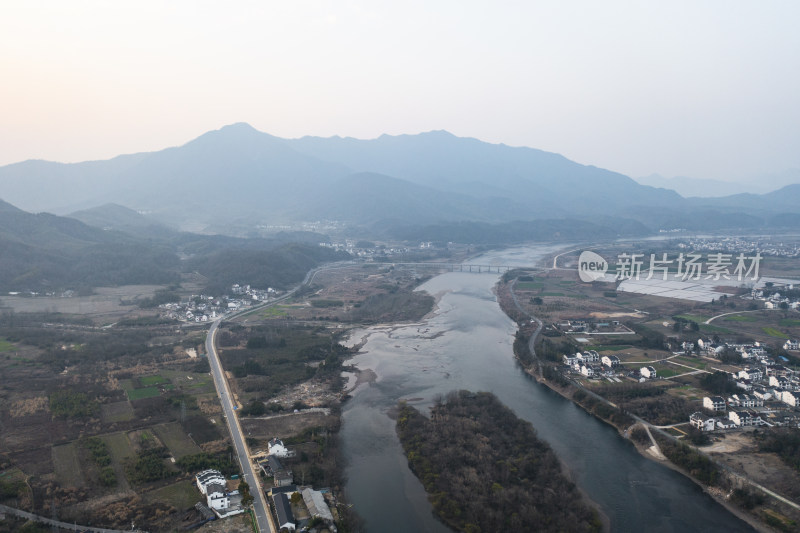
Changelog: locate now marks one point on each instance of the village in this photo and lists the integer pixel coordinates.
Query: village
(293, 507)
(768, 391)
(204, 308)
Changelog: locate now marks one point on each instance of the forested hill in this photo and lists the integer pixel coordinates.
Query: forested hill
(485, 470)
(44, 252)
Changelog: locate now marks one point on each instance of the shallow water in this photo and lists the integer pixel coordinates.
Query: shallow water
(467, 344)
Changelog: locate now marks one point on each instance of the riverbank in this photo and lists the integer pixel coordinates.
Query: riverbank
(587, 402)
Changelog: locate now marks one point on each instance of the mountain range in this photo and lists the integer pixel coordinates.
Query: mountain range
(235, 179)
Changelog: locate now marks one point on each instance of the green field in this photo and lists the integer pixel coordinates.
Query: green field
(5, 346)
(740, 318)
(191, 383)
(772, 332)
(276, 311)
(785, 322)
(181, 495)
(553, 294)
(529, 285)
(699, 365)
(67, 465)
(147, 381)
(711, 328)
(695, 318)
(174, 437)
(147, 392)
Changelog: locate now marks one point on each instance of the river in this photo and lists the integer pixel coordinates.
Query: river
(467, 344)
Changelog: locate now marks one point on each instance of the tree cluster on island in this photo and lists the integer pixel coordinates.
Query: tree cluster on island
(484, 469)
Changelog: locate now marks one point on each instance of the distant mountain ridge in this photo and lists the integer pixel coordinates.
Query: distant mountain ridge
(238, 176)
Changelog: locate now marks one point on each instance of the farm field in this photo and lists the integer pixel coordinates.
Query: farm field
(181, 495)
(176, 440)
(116, 412)
(67, 465)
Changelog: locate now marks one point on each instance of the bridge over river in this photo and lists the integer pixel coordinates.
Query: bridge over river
(465, 267)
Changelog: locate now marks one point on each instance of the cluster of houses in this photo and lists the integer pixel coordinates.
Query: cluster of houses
(591, 365)
(370, 252)
(313, 501)
(775, 384)
(272, 464)
(246, 292)
(219, 499)
(775, 299)
(204, 308)
(754, 352)
(739, 245)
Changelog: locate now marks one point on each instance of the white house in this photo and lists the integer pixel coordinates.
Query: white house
(714, 403)
(753, 374)
(277, 448)
(744, 419)
(611, 361)
(218, 498)
(702, 422)
(778, 381)
(723, 423)
(762, 394)
(790, 398)
(587, 371)
(648, 372)
(209, 477)
(791, 345)
(745, 400)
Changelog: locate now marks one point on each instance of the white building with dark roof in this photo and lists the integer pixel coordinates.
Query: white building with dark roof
(277, 448)
(714, 403)
(218, 498)
(648, 372)
(702, 421)
(744, 418)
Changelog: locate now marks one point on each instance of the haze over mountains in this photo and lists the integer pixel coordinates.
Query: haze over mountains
(237, 178)
(710, 188)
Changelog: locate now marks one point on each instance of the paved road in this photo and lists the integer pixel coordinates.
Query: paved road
(260, 507)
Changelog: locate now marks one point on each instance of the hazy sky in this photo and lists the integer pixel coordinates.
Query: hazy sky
(700, 88)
